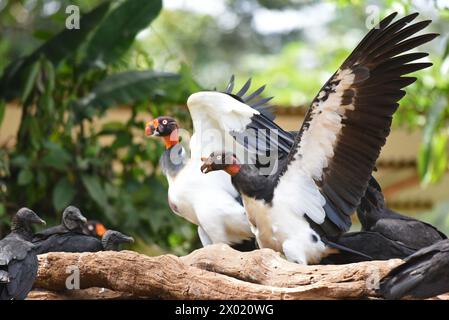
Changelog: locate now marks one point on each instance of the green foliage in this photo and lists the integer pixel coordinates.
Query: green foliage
(58, 48)
(63, 155)
(295, 63)
(116, 33)
(132, 86)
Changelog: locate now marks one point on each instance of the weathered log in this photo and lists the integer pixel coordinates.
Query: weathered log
(82, 294)
(266, 267)
(214, 272)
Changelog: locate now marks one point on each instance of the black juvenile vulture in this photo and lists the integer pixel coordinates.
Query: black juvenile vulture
(385, 234)
(373, 244)
(72, 225)
(424, 274)
(72, 222)
(18, 260)
(77, 242)
(375, 216)
(111, 240)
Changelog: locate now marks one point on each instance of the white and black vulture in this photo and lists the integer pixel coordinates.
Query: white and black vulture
(305, 204)
(18, 258)
(423, 275)
(211, 202)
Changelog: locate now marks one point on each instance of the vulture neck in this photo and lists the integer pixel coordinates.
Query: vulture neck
(250, 182)
(171, 140)
(233, 169)
(21, 228)
(173, 160)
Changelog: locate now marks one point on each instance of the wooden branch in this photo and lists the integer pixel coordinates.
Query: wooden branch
(266, 267)
(82, 294)
(214, 272)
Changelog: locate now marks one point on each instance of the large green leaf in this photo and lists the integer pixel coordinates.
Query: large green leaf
(56, 157)
(63, 194)
(95, 190)
(130, 87)
(30, 80)
(61, 46)
(117, 31)
(25, 177)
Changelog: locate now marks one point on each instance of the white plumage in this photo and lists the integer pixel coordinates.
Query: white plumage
(210, 201)
(214, 116)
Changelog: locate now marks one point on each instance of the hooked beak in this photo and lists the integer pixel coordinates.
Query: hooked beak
(149, 130)
(82, 218)
(37, 220)
(207, 165)
(128, 239)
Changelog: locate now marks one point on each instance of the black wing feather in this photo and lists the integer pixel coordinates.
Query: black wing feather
(368, 102)
(423, 275)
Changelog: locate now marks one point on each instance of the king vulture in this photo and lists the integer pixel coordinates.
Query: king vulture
(309, 199)
(211, 202)
(423, 275)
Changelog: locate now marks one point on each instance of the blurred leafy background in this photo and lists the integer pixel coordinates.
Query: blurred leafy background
(145, 57)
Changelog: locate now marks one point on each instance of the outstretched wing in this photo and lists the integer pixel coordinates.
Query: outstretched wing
(222, 118)
(349, 120)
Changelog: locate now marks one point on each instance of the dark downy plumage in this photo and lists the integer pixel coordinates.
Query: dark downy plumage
(73, 221)
(375, 216)
(68, 236)
(423, 275)
(373, 245)
(112, 240)
(70, 242)
(18, 259)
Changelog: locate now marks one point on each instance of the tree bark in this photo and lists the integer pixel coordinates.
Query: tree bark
(214, 272)
(82, 294)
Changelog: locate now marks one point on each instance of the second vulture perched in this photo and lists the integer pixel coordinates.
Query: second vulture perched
(70, 236)
(305, 204)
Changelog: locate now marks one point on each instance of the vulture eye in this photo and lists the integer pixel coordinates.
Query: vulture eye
(164, 122)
